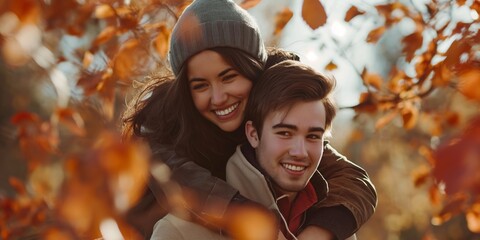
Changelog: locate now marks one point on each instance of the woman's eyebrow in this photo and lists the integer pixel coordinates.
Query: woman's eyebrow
(225, 71)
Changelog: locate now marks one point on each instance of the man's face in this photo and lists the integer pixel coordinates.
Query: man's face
(291, 144)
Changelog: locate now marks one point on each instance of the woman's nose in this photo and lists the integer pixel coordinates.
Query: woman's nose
(219, 96)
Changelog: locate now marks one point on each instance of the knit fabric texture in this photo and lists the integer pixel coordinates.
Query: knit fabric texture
(214, 23)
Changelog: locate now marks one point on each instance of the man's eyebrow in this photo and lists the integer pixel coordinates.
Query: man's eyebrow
(293, 127)
(222, 73)
(316, 129)
(284, 125)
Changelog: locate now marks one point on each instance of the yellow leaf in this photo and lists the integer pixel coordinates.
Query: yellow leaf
(313, 13)
(246, 4)
(352, 12)
(87, 59)
(375, 34)
(281, 19)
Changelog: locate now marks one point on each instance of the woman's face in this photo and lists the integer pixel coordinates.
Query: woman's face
(219, 92)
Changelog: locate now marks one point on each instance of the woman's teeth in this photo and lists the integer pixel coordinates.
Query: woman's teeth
(293, 167)
(226, 111)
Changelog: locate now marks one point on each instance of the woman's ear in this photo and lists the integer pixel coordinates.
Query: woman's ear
(252, 134)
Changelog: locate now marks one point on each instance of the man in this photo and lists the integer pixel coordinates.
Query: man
(289, 113)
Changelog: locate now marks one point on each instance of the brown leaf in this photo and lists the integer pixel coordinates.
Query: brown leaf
(442, 76)
(18, 185)
(469, 84)
(411, 43)
(106, 34)
(27, 11)
(87, 59)
(331, 66)
(375, 34)
(313, 13)
(461, 2)
(352, 12)
(367, 103)
(281, 20)
(453, 53)
(130, 59)
(246, 4)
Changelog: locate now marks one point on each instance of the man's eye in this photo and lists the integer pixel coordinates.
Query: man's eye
(314, 136)
(284, 133)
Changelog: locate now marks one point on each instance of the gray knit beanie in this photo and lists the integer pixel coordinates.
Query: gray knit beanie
(214, 23)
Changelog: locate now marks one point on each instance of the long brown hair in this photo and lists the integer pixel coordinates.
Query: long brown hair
(164, 113)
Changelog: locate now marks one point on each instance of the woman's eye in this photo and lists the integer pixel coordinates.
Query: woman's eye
(229, 77)
(199, 86)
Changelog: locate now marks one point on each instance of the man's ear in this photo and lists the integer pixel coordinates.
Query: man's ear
(252, 134)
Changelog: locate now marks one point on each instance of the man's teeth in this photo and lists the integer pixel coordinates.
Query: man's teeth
(293, 167)
(226, 111)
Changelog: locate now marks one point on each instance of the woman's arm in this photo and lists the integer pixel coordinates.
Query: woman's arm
(351, 199)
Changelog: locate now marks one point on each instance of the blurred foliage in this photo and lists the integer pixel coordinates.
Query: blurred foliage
(68, 65)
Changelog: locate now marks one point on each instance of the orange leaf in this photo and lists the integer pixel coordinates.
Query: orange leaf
(162, 41)
(473, 218)
(469, 84)
(130, 59)
(442, 76)
(105, 35)
(72, 120)
(352, 12)
(331, 66)
(383, 121)
(87, 59)
(453, 53)
(375, 34)
(411, 43)
(409, 116)
(372, 79)
(313, 13)
(461, 2)
(367, 103)
(281, 20)
(420, 175)
(104, 11)
(246, 4)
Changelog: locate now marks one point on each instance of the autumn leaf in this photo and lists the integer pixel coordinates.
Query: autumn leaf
(281, 20)
(372, 79)
(246, 4)
(70, 119)
(87, 59)
(162, 40)
(469, 84)
(386, 119)
(453, 53)
(352, 12)
(410, 116)
(473, 218)
(367, 103)
(106, 34)
(313, 13)
(375, 34)
(331, 66)
(420, 175)
(104, 11)
(411, 43)
(442, 76)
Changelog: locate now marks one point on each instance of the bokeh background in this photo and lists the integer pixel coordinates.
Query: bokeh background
(408, 77)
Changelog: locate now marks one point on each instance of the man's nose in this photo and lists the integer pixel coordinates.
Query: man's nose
(298, 148)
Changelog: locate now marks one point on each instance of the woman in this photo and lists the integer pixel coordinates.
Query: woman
(194, 121)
